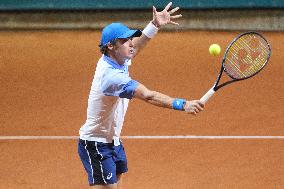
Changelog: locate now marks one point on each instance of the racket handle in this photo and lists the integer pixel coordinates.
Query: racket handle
(207, 95)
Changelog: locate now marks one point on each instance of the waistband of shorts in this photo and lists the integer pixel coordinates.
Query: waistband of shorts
(116, 141)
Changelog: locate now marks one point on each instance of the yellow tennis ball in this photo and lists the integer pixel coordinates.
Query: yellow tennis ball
(214, 49)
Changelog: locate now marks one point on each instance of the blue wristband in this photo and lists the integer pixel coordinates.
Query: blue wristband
(178, 104)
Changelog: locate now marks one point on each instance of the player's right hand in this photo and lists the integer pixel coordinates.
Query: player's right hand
(193, 107)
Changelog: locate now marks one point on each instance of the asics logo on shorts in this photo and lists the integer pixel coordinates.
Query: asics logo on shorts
(109, 176)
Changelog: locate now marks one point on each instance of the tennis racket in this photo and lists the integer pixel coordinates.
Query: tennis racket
(245, 56)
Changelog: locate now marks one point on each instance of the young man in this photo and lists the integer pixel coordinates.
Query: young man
(100, 148)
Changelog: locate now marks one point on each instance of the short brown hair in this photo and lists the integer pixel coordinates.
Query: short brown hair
(104, 48)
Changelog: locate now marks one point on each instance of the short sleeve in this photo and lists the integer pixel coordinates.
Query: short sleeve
(117, 83)
(129, 89)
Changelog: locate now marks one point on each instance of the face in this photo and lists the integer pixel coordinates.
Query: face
(123, 50)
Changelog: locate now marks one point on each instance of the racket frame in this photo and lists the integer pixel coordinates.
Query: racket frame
(215, 86)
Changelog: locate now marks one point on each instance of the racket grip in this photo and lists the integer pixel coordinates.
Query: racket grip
(207, 95)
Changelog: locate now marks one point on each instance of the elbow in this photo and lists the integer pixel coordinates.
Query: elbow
(144, 94)
(149, 95)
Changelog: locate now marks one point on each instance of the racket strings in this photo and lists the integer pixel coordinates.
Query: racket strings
(246, 56)
(243, 59)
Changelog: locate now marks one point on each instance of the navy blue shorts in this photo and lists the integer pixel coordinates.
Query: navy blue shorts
(102, 161)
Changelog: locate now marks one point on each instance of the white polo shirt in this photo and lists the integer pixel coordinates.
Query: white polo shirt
(108, 100)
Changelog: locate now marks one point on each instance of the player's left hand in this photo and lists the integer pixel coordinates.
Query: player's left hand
(165, 16)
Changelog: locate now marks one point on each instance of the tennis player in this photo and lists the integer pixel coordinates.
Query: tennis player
(100, 148)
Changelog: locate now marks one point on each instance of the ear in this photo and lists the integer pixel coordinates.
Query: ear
(110, 46)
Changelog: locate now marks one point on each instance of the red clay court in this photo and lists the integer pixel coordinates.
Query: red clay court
(45, 79)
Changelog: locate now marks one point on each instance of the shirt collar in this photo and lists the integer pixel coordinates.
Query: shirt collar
(113, 63)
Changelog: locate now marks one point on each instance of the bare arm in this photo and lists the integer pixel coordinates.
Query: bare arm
(153, 97)
(140, 42)
(159, 19)
(162, 100)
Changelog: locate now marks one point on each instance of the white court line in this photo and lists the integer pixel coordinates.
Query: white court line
(140, 137)
(203, 137)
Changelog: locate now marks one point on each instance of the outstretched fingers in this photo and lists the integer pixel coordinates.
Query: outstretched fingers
(176, 16)
(174, 23)
(154, 11)
(166, 16)
(168, 6)
(173, 10)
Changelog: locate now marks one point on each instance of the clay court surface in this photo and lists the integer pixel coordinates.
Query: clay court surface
(45, 78)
